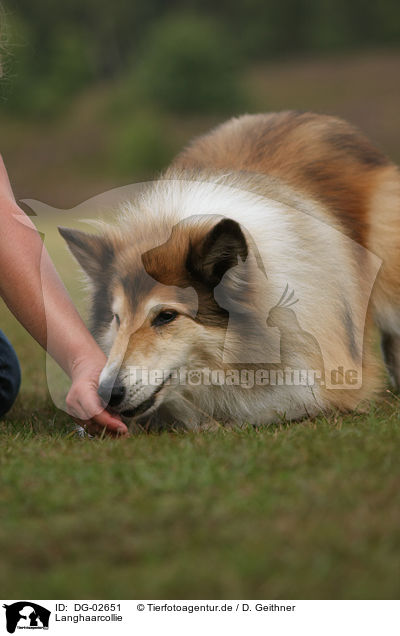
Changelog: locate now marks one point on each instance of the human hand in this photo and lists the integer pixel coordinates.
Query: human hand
(84, 404)
(72, 346)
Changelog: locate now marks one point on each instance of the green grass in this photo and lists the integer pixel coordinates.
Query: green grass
(309, 510)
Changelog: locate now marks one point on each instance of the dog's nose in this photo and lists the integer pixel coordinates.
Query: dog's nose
(117, 395)
(111, 394)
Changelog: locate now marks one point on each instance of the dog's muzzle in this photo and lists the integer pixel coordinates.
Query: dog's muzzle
(114, 395)
(111, 394)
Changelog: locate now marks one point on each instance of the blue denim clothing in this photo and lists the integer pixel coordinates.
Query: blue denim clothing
(10, 375)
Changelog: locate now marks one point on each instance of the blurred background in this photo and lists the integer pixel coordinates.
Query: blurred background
(96, 95)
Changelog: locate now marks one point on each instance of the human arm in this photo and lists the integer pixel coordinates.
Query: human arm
(33, 291)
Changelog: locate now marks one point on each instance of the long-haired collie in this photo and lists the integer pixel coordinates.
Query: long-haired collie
(244, 284)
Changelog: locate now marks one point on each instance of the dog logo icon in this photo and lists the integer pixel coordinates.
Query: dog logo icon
(26, 615)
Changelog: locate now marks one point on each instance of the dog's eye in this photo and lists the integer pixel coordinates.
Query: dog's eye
(164, 317)
(117, 319)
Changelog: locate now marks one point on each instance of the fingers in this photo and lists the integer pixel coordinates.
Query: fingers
(83, 402)
(111, 422)
(85, 406)
(96, 428)
(101, 421)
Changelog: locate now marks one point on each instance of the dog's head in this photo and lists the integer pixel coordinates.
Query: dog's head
(154, 310)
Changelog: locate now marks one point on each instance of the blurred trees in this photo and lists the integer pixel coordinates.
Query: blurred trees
(182, 54)
(188, 64)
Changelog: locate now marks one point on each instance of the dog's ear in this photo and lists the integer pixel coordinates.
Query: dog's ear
(93, 253)
(219, 251)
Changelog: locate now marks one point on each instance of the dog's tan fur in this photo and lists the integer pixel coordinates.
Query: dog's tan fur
(328, 160)
(321, 157)
(318, 165)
